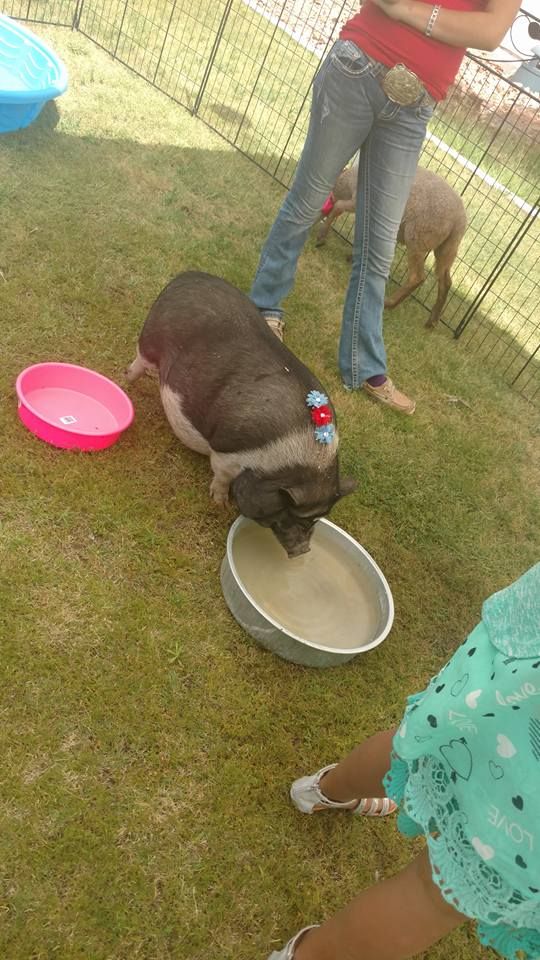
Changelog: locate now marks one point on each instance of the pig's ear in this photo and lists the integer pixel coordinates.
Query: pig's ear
(347, 485)
(295, 495)
(255, 498)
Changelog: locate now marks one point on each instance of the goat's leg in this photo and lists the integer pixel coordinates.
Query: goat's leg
(340, 207)
(443, 289)
(444, 258)
(416, 276)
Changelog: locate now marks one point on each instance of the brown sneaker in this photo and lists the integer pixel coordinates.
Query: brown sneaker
(277, 326)
(388, 394)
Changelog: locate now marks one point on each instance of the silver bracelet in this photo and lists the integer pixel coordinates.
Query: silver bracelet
(431, 22)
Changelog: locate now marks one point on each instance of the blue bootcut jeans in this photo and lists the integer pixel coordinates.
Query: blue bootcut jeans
(349, 112)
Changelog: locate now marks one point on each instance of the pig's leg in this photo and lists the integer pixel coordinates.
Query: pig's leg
(225, 470)
(138, 367)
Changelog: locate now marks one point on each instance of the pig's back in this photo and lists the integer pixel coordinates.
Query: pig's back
(196, 299)
(239, 385)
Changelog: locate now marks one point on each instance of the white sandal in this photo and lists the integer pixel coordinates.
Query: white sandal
(288, 950)
(307, 796)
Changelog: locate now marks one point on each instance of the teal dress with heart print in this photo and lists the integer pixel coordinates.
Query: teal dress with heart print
(466, 772)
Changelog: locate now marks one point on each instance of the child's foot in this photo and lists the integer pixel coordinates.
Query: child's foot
(307, 796)
(288, 950)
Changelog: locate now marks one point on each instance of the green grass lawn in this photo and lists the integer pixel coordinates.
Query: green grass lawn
(147, 742)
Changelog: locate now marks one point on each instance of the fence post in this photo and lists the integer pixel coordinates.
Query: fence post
(213, 53)
(77, 15)
(121, 27)
(166, 37)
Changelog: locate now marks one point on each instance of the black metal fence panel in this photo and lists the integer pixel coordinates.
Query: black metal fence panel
(502, 323)
(246, 68)
(259, 91)
(485, 140)
(171, 43)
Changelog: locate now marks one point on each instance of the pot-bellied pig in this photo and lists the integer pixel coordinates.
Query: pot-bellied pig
(232, 391)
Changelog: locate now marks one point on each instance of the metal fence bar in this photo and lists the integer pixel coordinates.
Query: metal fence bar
(213, 54)
(525, 365)
(77, 15)
(165, 38)
(120, 28)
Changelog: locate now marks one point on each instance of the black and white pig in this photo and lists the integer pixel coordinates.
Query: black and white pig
(232, 391)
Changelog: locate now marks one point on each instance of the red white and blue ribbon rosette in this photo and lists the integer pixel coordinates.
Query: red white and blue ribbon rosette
(321, 415)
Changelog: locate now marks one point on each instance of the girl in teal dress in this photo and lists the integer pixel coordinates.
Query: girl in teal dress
(463, 769)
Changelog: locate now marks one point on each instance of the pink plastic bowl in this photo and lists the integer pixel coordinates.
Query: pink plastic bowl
(72, 407)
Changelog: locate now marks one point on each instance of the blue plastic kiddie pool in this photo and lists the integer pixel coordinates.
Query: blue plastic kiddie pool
(30, 74)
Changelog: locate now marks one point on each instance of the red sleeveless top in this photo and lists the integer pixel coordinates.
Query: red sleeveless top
(391, 42)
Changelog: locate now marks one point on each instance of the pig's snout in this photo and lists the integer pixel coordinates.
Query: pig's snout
(295, 540)
(299, 551)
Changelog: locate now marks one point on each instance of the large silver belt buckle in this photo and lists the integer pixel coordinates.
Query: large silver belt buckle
(402, 86)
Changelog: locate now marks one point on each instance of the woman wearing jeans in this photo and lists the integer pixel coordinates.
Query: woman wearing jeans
(375, 93)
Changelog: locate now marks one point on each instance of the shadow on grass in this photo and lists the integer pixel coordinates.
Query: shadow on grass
(49, 117)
